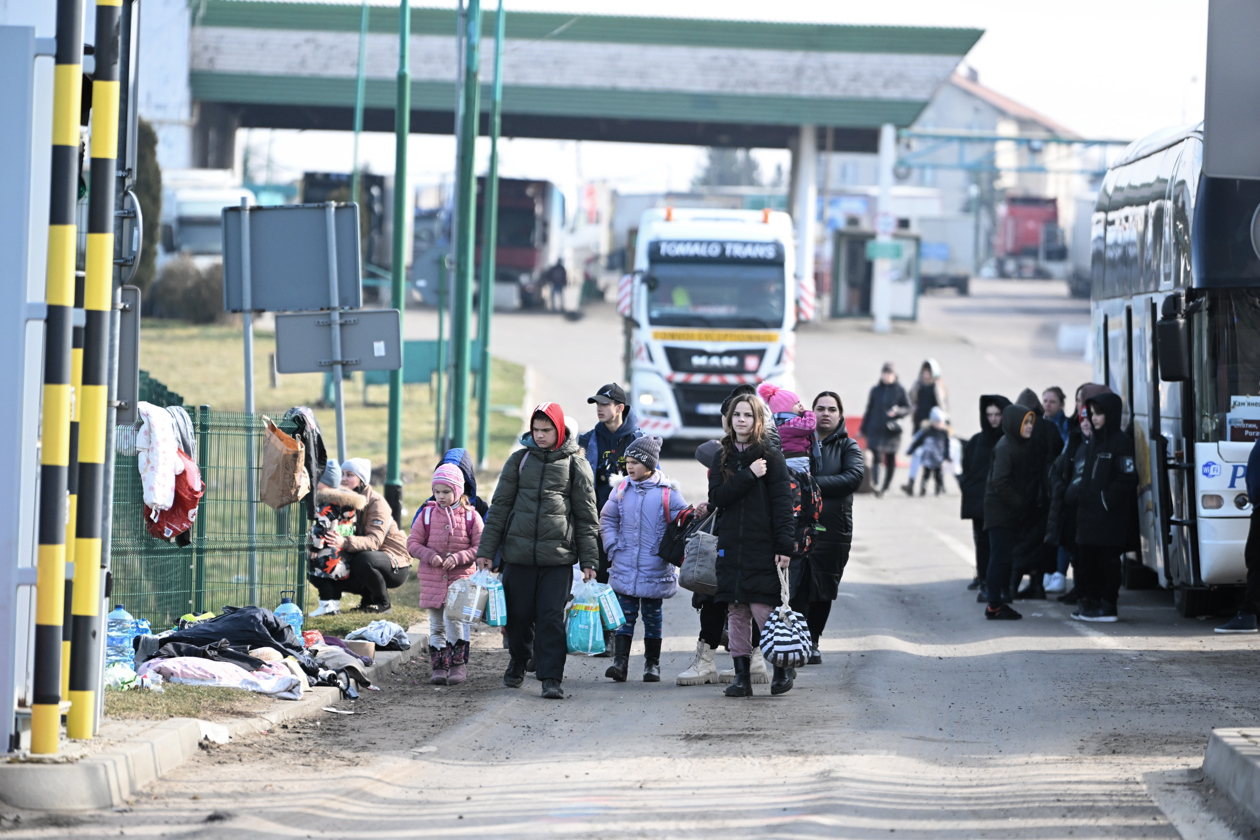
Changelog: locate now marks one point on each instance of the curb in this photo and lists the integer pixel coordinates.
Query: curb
(108, 779)
(1232, 762)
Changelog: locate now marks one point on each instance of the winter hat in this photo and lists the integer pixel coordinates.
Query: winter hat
(938, 415)
(554, 413)
(450, 475)
(361, 467)
(779, 399)
(646, 450)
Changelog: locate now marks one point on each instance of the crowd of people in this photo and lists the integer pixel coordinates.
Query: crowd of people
(1044, 490)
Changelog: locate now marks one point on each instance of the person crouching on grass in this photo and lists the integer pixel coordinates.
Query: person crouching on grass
(748, 485)
(444, 538)
(633, 523)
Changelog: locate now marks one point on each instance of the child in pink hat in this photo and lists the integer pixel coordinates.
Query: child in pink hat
(444, 538)
(795, 424)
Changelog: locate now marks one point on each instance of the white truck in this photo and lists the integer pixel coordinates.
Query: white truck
(192, 206)
(947, 252)
(711, 304)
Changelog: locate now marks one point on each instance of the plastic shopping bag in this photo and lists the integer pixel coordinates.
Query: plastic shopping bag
(586, 630)
(495, 613)
(465, 601)
(610, 611)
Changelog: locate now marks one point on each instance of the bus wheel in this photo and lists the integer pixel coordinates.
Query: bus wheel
(1192, 603)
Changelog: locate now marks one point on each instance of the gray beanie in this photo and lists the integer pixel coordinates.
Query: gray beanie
(361, 467)
(646, 450)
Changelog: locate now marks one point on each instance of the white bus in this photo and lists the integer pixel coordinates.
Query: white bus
(1175, 291)
(711, 305)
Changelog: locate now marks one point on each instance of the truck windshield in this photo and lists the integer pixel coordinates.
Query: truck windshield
(200, 237)
(716, 294)
(516, 227)
(1227, 350)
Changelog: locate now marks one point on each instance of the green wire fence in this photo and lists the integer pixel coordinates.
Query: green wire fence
(160, 580)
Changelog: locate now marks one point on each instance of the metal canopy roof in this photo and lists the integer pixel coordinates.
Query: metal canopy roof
(588, 77)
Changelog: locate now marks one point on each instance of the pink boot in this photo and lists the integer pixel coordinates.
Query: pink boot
(441, 665)
(459, 663)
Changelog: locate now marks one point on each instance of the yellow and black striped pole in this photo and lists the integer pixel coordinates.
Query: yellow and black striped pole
(72, 475)
(55, 425)
(85, 664)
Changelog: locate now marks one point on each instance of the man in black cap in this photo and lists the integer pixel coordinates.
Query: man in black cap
(605, 447)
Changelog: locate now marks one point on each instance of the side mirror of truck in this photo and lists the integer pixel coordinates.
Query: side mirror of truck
(168, 239)
(1172, 337)
(651, 282)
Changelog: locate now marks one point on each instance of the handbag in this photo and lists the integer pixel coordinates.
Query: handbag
(893, 427)
(699, 566)
(785, 639)
(284, 479)
(677, 532)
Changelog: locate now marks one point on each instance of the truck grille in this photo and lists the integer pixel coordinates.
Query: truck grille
(695, 360)
(700, 405)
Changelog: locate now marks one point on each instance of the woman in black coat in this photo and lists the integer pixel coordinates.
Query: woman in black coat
(816, 577)
(977, 456)
(881, 425)
(748, 485)
(1006, 504)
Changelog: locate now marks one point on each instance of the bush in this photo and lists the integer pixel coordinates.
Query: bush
(186, 292)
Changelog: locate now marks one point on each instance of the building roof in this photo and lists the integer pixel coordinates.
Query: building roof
(1009, 106)
(646, 79)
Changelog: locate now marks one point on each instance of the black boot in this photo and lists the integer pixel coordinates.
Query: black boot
(781, 682)
(742, 685)
(621, 659)
(651, 660)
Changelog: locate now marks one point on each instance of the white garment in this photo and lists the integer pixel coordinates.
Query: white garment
(800, 463)
(156, 447)
(443, 632)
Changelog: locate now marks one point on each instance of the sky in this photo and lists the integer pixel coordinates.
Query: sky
(1104, 68)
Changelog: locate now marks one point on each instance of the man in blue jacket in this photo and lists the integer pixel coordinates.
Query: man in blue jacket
(1245, 621)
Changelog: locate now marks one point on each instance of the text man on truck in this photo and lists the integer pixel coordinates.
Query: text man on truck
(712, 304)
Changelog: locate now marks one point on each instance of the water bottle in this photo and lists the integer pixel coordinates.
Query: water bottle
(119, 631)
(290, 613)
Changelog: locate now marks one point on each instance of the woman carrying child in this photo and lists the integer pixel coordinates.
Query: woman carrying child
(444, 537)
(748, 485)
(632, 523)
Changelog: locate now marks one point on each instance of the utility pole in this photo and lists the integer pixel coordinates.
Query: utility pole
(359, 91)
(402, 206)
(489, 235)
(461, 308)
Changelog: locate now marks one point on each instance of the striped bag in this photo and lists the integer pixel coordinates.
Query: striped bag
(785, 639)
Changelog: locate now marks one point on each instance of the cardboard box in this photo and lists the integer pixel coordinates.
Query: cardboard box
(363, 648)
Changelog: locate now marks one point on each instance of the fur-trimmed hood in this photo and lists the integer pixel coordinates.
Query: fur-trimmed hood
(341, 497)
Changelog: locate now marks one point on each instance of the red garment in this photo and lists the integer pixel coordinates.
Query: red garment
(449, 530)
(554, 413)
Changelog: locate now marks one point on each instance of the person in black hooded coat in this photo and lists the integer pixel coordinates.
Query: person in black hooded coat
(749, 488)
(1032, 556)
(1006, 503)
(977, 457)
(1105, 495)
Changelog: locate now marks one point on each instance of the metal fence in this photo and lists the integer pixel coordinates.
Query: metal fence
(162, 581)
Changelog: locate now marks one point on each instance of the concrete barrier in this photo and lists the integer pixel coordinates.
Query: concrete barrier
(1232, 762)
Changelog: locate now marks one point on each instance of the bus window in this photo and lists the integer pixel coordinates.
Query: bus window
(1226, 346)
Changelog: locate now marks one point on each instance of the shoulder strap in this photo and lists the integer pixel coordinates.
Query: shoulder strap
(665, 504)
(428, 511)
(520, 465)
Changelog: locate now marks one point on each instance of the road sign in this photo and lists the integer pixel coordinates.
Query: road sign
(370, 340)
(288, 250)
(876, 250)
(885, 224)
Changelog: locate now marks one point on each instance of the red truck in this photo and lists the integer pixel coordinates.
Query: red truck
(529, 239)
(1028, 241)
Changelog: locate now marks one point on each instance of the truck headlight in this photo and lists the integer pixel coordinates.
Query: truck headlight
(646, 399)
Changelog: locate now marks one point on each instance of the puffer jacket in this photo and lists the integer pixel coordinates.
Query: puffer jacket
(1069, 467)
(454, 531)
(632, 522)
(754, 524)
(1006, 489)
(839, 475)
(977, 457)
(375, 530)
(543, 509)
(1107, 491)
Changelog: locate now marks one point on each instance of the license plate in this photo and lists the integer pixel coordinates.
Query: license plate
(709, 409)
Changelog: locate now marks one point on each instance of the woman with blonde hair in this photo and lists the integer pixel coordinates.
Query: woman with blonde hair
(748, 485)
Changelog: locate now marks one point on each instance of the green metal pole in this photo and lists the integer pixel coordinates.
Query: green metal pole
(489, 235)
(461, 311)
(443, 270)
(402, 206)
(360, 89)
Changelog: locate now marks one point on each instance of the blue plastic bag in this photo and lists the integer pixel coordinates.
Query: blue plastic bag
(585, 632)
(495, 614)
(610, 611)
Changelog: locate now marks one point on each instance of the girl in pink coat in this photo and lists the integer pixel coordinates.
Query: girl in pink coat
(444, 538)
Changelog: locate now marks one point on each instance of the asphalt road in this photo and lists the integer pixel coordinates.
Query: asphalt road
(924, 720)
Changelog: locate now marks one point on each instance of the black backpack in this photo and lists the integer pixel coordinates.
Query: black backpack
(806, 509)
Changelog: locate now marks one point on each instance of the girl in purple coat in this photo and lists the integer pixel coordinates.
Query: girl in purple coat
(632, 524)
